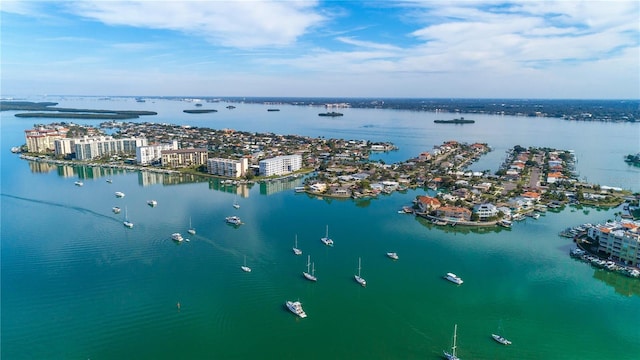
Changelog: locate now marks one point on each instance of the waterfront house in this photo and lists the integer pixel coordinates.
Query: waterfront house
(485, 211)
(454, 213)
(426, 204)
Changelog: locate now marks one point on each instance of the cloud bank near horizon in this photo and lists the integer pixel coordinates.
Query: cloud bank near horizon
(561, 49)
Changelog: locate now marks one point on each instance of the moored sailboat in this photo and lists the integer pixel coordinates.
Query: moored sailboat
(191, 230)
(359, 278)
(126, 221)
(295, 247)
(244, 267)
(310, 275)
(326, 239)
(452, 355)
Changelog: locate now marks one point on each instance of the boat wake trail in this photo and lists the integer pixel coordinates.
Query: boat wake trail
(65, 206)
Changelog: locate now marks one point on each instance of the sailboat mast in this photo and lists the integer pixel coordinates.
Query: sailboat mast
(308, 262)
(358, 267)
(455, 334)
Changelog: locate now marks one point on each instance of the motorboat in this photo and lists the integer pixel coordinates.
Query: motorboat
(177, 237)
(296, 308)
(79, 183)
(233, 220)
(453, 278)
(116, 210)
(500, 339)
(392, 255)
(119, 194)
(152, 203)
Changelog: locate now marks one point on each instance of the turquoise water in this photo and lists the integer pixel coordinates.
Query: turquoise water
(77, 284)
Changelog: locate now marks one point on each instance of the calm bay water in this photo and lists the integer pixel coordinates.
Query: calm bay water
(77, 284)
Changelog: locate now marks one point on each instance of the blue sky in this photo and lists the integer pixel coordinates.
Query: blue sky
(416, 49)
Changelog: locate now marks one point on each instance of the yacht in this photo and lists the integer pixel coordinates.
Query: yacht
(500, 339)
(326, 239)
(392, 255)
(79, 183)
(296, 308)
(505, 223)
(152, 203)
(359, 278)
(233, 220)
(453, 278)
(119, 194)
(310, 275)
(177, 237)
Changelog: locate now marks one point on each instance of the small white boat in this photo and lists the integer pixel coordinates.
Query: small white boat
(116, 210)
(310, 275)
(500, 339)
(359, 278)
(233, 220)
(295, 247)
(79, 183)
(326, 239)
(191, 230)
(235, 204)
(244, 267)
(177, 237)
(296, 308)
(152, 203)
(392, 255)
(452, 355)
(119, 194)
(505, 223)
(453, 278)
(109, 181)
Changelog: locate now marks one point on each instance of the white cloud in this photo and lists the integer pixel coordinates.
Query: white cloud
(242, 24)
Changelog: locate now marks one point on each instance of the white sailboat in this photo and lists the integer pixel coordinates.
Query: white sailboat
(452, 355)
(126, 221)
(295, 247)
(244, 267)
(235, 203)
(310, 275)
(326, 239)
(191, 230)
(359, 278)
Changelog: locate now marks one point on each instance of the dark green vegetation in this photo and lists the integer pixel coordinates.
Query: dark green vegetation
(200, 111)
(633, 159)
(47, 110)
(582, 110)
